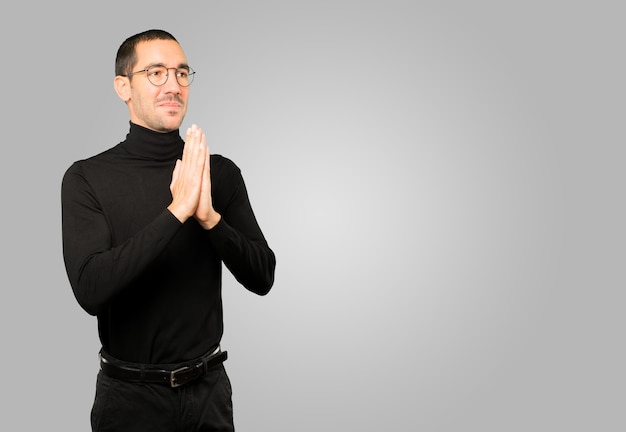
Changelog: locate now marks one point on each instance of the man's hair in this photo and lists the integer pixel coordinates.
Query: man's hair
(126, 57)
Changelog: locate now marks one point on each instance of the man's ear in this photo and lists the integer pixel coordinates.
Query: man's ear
(122, 87)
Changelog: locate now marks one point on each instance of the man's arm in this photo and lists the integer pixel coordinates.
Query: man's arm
(96, 270)
(240, 242)
(235, 233)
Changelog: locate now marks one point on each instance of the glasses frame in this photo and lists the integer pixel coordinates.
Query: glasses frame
(190, 71)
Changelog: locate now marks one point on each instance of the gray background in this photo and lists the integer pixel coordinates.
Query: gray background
(442, 183)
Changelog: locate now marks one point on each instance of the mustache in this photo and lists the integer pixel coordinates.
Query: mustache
(171, 98)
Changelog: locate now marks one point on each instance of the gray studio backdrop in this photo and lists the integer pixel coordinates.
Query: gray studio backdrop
(442, 183)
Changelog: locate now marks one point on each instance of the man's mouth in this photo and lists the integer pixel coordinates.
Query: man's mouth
(171, 102)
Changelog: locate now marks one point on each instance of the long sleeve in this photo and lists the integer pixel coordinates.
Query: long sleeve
(97, 269)
(239, 240)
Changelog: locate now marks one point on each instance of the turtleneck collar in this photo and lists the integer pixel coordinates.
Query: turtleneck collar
(148, 144)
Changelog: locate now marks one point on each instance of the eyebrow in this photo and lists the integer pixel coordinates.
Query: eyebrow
(180, 66)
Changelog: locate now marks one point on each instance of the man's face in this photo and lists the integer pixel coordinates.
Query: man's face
(159, 108)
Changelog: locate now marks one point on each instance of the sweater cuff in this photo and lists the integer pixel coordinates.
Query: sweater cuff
(167, 223)
(220, 234)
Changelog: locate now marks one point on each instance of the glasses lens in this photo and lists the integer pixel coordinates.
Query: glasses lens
(157, 75)
(184, 76)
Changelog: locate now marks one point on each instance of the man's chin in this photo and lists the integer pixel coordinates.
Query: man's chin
(172, 123)
(163, 123)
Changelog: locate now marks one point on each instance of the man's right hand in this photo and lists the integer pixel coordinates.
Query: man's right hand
(187, 176)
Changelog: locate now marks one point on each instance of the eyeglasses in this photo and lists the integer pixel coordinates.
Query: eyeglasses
(158, 75)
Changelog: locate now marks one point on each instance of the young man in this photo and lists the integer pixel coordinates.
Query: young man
(147, 225)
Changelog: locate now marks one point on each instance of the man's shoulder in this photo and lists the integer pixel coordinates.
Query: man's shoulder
(103, 156)
(221, 162)
(93, 164)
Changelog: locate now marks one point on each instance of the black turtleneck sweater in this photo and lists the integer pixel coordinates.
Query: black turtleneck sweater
(154, 283)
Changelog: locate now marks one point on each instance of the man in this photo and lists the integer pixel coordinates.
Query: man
(147, 225)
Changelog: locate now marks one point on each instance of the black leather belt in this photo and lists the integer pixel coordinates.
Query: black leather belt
(175, 377)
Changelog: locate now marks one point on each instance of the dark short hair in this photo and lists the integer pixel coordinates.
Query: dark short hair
(126, 57)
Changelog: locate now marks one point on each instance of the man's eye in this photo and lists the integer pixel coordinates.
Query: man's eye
(182, 73)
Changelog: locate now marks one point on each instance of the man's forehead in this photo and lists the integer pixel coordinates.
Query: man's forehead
(160, 51)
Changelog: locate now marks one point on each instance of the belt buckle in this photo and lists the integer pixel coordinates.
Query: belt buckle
(173, 379)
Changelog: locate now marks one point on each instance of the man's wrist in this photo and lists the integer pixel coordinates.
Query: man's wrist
(178, 214)
(211, 221)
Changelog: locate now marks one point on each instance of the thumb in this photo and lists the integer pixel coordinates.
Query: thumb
(175, 173)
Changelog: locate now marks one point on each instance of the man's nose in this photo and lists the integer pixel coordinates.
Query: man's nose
(171, 85)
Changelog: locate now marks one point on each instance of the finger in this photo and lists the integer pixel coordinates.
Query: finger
(200, 147)
(193, 153)
(191, 139)
(187, 149)
(175, 173)
(188, 143)
(207, 157)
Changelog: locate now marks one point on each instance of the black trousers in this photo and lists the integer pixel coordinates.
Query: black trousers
(201, 405)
